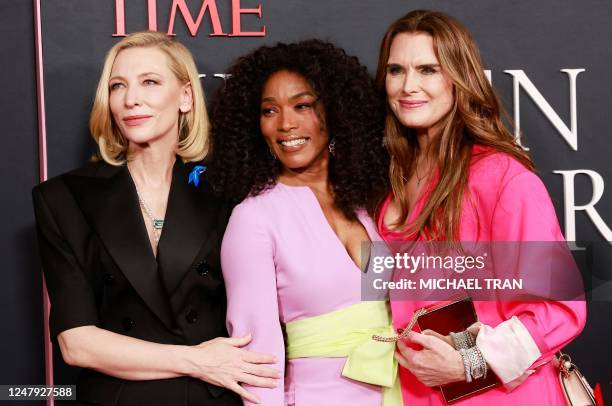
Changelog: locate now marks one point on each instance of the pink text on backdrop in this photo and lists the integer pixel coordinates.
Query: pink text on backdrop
(192, 24)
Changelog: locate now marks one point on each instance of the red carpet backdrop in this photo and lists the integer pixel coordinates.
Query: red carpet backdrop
(549, 60)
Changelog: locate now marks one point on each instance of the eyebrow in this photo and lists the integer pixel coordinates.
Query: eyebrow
(140, 76)
(423, 65)
(295, 96)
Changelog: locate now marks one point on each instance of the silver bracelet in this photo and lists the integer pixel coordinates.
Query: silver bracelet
(466, 364)
(484, 362)
(478, 365)
(462, 340)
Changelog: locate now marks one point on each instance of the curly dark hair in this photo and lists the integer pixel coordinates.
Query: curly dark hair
(241, 164)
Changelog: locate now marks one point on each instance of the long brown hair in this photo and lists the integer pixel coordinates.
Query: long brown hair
(474, 118)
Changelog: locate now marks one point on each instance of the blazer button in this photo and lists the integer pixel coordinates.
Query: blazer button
(191, 316)
(203, 268)
(109, 279)
(128, 324)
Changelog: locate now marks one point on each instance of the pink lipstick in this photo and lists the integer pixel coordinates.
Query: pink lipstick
(135, 120)
(412, 104)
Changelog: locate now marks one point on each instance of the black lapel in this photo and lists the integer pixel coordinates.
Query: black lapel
(187, 227)
(107, 196)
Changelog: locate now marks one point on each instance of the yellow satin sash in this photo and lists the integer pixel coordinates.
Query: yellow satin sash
(348, 333)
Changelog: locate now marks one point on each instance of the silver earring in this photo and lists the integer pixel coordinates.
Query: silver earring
(332, 147)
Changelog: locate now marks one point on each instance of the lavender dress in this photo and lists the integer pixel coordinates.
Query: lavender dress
(282, 262)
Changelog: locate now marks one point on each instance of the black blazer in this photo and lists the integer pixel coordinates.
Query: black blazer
(100, 270)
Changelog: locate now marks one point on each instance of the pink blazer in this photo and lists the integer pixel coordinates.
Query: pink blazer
(506, 202)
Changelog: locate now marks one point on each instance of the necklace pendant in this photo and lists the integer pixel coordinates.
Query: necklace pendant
(158, 224)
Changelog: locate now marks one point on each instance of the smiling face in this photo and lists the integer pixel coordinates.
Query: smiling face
(418, 92)
(292, 121)
(146, 97)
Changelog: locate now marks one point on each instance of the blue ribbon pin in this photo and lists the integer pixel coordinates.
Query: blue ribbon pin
(194, 175)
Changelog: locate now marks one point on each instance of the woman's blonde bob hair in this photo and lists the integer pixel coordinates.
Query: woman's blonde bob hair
(193, 143)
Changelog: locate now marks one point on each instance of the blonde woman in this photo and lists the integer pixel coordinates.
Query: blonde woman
(130, 249)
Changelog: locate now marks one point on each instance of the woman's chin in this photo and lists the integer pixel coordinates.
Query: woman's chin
(295, 167)
(296, 163)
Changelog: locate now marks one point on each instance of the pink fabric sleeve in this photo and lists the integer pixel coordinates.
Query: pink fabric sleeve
(525, 212)
(247, 260)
